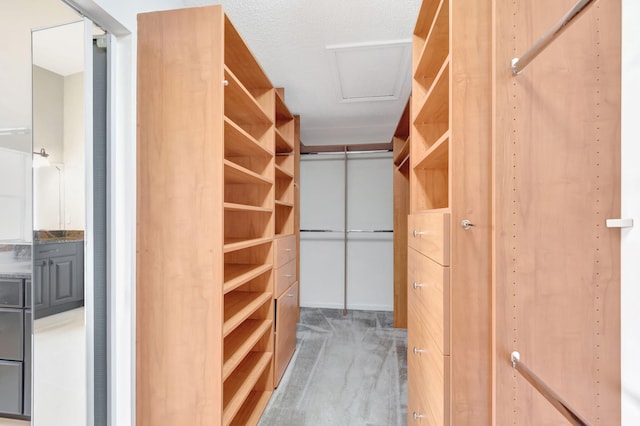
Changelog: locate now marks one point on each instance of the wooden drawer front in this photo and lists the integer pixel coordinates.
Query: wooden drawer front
(428, 383)
(285, 250)
(285, 276)
(428, 298)
(286, 317)
(429, 234)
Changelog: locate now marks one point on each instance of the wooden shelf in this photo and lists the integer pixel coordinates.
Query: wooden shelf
(435, 108)
(425, 20)
(437, 156)
(234, 173)
(233, 244)
(282, 172)
(238, 344)
(245, 208)
(279, 203)
(239, 59)
(239, 143)
(239, 305)
(238, 387)
(402, 154)
(282, 144)
(252, 409)
(436, 47)
(236, 275)
(240, 105)
(282, 111)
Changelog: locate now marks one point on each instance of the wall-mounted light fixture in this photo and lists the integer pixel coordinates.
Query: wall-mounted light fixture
(40, 159)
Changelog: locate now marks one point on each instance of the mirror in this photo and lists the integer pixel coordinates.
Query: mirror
(59, 332)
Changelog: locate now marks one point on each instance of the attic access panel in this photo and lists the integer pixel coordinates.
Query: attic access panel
(370, 71)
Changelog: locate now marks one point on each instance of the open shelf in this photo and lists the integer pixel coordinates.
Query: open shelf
(252, 409)
(237, 274)
(240, 105)
(240, 384)
(425, 21)
(233, 244)
(436, 157)
(239, 343)
(239, 59)
(279, 203)
(436, 47)
(435, 108)
(235, 207)
(239, 305)
(234, 173)
(282, 144)
(239, 143)
(402, 154)
(282, 111)
(280, 171)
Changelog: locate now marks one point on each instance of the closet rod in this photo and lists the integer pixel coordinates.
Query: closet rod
(518, 64)
(548, 393)
(348, 230)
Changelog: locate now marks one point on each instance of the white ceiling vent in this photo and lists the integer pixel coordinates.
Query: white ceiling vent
(372, 71)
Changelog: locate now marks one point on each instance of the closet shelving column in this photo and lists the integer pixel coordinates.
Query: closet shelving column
(249, 226)
(206, 222)
(449, 271)
(400, 143)
(286, 297)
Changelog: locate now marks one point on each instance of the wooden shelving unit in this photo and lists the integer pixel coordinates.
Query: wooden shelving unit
(286, 298)
(401, 160)
(449, 268)
(207, 216)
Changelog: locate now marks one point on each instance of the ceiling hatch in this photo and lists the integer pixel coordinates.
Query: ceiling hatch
(370, 72)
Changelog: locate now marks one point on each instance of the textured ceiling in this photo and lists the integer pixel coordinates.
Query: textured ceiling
(290, 40)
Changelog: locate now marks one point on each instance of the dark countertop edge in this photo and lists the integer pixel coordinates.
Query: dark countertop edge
(55, 241)
(10, 275)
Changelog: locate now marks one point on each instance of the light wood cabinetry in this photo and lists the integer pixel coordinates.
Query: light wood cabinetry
(400, 144)
(449, 287)
(207, 216)
(286, 295)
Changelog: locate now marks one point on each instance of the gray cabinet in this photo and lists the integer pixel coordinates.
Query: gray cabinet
(58, 277)
(15, 347)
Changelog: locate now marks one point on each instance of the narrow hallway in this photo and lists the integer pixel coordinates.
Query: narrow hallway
(347, 370)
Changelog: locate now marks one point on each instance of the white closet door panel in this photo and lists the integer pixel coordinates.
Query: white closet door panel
(370, 189)
(322, 193)
(322, 270)
(370, 272)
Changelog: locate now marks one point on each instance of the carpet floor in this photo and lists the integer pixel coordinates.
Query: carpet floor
(347, 371)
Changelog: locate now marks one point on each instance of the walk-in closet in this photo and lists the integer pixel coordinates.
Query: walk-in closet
(306, 213)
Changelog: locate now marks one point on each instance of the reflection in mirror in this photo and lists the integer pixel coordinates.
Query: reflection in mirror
(59, 336)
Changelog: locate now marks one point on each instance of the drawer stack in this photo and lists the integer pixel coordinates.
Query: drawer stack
(428, 298)
(286, 303)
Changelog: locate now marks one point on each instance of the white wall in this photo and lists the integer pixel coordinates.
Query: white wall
(15, 195)
(369, 255)
(630, 297)
(73, 193)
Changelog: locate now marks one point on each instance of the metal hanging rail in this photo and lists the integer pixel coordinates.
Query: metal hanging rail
(518, 64)
(549, 394)
(348, 230)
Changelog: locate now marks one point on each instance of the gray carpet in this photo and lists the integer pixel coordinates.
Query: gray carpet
(347, 371)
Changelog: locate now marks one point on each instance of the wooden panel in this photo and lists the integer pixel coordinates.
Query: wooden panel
(428, 233)
(557, 178)
(286, 318)
(470, 158)
(285, 250)
(285, 276)
(429, 299)
(428, 373)
(400, 224)
(179, 309)
(296, 188)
